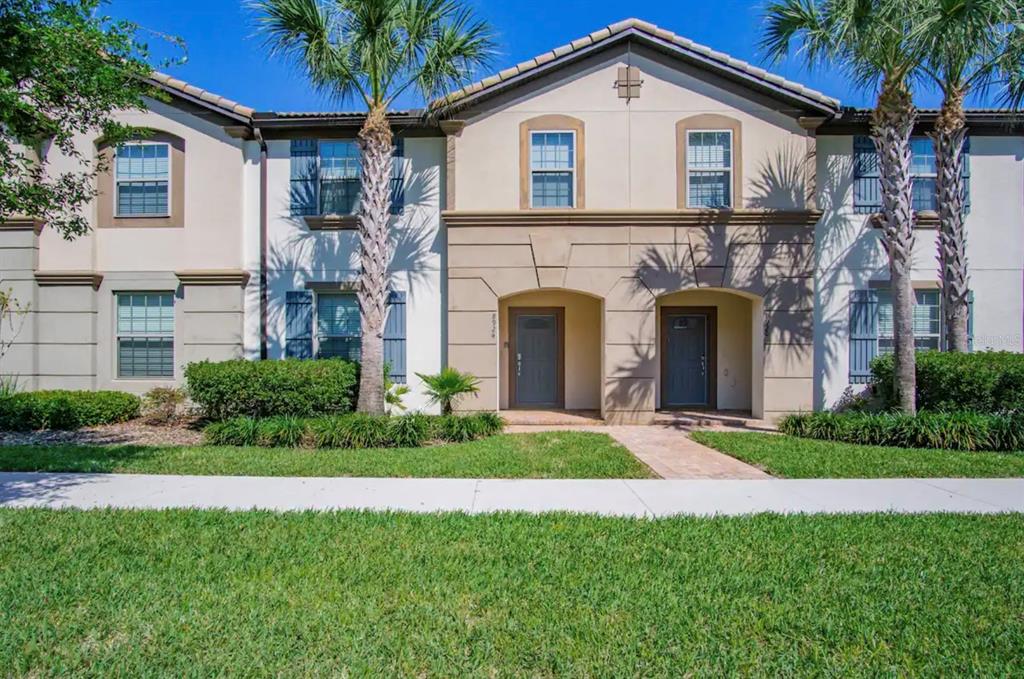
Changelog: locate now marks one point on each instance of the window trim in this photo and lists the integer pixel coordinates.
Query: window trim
(707, 122)
(730, 169)
(319, 178)
(115, 210)
(552, 123)
(571, 170)
(118, 336)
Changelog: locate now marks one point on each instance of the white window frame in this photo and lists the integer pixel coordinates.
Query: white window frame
(316, 318)
(939, 336)
(571, 170)
(118, 336)
(170, 180)
(319, 170)
(728, 170)
(924, 175)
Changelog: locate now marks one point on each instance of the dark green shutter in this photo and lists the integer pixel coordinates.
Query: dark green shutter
(970, 320)
(398, 177)
(394, 337)
(967, 173)
(867, 190)
(863, 334)
(304, 163)
(298, 336)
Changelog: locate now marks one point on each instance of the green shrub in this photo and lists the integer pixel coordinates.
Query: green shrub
(162, 406)
(949, 431)
(283, 431)
(300, 388)
(66, 409)
(982, 382)
(352, 430)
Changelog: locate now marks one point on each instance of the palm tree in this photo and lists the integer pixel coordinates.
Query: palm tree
(870, 40)
(969, 46)
(373, 51)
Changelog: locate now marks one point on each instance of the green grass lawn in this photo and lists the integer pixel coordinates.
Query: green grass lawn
(798, 458)
(203, 593)
(549, 455)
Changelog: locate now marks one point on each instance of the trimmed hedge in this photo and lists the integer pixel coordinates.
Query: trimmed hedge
(290, 387)
(982, 382)
(352, 431)
(948, 431)
(66, 409)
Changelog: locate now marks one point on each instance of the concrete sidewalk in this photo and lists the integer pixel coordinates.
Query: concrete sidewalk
(607, 497)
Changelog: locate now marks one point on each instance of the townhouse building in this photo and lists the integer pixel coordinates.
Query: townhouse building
(626, 224)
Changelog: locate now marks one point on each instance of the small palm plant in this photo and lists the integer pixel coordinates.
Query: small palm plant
(448, 386)
(374, 51)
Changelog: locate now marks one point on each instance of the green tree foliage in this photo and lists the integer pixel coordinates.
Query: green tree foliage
(65, 70)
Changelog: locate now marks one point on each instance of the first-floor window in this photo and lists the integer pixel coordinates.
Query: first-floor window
(927, 320)
(145, 334)
(337, 325)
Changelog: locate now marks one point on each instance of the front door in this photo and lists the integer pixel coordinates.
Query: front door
(687, 360)
(535, 355)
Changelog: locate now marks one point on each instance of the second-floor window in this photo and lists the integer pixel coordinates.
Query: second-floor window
(339, 177)
(552, 169)
(867, 189)
(142, 176)
(709, 168)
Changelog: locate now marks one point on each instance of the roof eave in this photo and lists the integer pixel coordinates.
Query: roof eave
(737, 75)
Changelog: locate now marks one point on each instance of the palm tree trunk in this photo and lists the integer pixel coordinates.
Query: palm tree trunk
(375, 144)
(948, 137)
(891, 126)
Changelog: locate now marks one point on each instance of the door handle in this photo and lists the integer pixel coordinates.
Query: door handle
(519, 365)
(703, 365)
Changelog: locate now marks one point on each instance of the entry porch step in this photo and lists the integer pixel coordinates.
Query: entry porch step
(711, 419)
(546, 418)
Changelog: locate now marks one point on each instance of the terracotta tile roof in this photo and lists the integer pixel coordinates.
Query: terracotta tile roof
(214, 100)
(648, 29)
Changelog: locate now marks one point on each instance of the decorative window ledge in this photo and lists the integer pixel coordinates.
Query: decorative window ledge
(332, 222)
(22, 224)
(69, 278)
(927, 219)
(213, 277)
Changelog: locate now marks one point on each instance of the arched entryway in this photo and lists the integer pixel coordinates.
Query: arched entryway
(550, 346)
(710, 351)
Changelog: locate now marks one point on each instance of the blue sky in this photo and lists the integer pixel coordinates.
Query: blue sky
(225, 56)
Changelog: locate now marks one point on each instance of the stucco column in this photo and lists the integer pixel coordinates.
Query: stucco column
(473, 338)
(630, 353)
(452, 130)
(811, 124)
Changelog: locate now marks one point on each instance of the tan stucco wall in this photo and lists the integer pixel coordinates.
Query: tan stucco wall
(214, 196)
(734, 343)
(630, 149)
(582, 345)
(630, 268)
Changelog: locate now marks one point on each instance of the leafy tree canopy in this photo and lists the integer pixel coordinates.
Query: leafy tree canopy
(65, 69)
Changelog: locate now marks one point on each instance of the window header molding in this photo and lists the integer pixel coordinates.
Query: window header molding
(704, 122)
(551, 122)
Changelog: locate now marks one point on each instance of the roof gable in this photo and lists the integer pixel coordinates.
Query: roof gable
(660, 39)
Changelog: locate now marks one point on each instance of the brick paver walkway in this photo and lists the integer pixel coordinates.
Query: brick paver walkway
(666, 449)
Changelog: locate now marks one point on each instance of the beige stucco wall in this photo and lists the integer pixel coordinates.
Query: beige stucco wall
(630, 148)
(735, 352)
(582, 345)
(211, 236)
(630, 268)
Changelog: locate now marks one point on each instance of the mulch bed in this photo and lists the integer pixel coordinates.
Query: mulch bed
(127, 433)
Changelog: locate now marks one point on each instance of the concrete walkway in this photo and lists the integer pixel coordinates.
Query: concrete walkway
(618, 498)
(665, 448)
